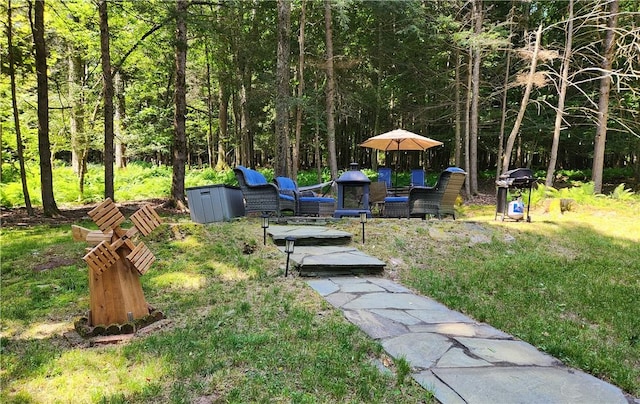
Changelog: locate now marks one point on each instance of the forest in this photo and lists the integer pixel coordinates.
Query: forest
(299, 84)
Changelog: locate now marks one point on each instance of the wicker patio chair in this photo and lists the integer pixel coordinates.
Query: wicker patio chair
(308, 203)
(377, 193)
(440, 199)
(261, 196)
(396, 206)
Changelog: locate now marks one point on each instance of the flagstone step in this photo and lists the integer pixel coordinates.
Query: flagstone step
(332, 261)
(309, 235)
(304, 220)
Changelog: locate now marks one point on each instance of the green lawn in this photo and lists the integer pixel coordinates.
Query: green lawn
(569, 284)
(238, 331)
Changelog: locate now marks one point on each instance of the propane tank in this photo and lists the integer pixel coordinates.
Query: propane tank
(516, 209)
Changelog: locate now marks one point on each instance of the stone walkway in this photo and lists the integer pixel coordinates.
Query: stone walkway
(455, 357)
(322, 251)
(458, 359)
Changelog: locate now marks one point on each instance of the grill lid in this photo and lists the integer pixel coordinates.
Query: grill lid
(518, 177)
(517, 173)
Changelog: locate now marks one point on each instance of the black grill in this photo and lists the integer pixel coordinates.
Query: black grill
(518, 179)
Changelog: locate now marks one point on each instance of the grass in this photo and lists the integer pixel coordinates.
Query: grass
(569, 284)
(239, 332)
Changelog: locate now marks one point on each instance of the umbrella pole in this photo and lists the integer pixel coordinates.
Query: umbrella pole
(397, 168)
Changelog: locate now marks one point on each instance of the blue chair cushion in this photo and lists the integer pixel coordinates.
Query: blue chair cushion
(384, 175)
(396, 199)
(253, 177)
(417, 178)
(318, 199)
(286, 183)
(454, 170)
(287, 197)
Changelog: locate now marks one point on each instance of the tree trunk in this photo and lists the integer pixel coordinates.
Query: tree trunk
(79, 136)
(49, 206)
(222, 126)
(16, 114)
(603, 99)
(379, 103)
(472, 177)
(300, 107)
(282, 90)
(503, 118)
(180, 117)
(245, 146)
(119, 127)
(107, 82)
(330, 92)
(236, 141)
(566, 59)
(210, 137)
(458, 136)
(316, 139)
(76, 99)
(467, 120)
(523, 105)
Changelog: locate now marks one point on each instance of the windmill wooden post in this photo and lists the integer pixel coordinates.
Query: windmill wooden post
(116, 264)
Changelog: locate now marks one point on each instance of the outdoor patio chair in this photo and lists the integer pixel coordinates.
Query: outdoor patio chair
(440, 199)
(396, 206)
(417, 177)
(377, 193)
(308, 203)
(384, 175)
(261, 196)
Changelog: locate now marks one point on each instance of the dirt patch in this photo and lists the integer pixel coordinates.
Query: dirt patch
(55, 262)
(18, 217)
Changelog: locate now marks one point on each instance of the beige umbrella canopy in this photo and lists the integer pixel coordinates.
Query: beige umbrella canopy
(400, 139)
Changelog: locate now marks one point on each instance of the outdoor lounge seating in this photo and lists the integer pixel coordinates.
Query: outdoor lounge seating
(384, 175)
(417, 177)
(440, 199)
(307, 202)
(261, 196)
(377, 193)
(396, 206)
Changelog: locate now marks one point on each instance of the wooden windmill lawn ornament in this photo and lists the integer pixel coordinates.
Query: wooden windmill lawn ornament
(117, 303)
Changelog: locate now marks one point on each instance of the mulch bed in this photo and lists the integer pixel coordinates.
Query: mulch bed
(18, 217)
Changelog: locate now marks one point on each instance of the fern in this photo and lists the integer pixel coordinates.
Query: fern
(622, 194)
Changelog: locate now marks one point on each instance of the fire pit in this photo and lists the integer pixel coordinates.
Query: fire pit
(353, 193)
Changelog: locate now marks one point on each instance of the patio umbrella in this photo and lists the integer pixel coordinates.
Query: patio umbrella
(399, 139)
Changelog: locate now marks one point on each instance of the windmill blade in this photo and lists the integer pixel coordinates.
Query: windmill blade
(106, 215)
(101, 257)
(93, 237)
(141, 258)
(146, 219)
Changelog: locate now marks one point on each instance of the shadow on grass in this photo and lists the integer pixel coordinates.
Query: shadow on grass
(238, 331)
